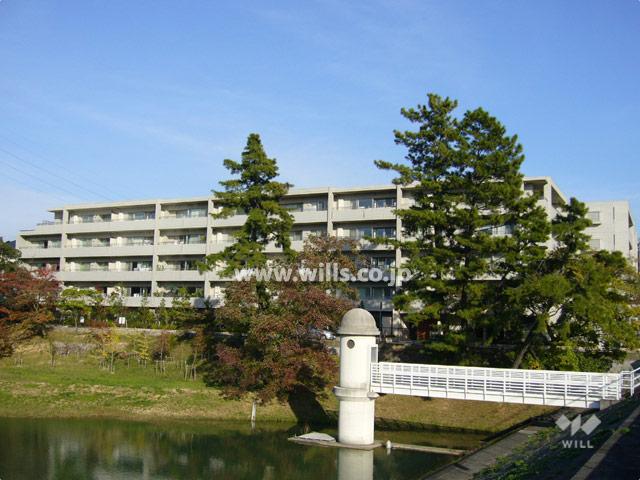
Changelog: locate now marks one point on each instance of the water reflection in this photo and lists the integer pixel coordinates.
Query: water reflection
(109, 450)
(355, 464)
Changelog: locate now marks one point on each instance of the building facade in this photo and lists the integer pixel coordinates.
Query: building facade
(151, 248)
(613, 228)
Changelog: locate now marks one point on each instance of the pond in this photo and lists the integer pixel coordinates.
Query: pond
(109, 450)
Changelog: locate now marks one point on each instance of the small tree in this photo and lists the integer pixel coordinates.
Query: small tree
(162, 315)
(77, 302)
(108, 342)
(27, 303)
(182, 312)
(115, 303)
(9, 258)
(145, 315)
(142, 349)
(276, 353)
(162, 349)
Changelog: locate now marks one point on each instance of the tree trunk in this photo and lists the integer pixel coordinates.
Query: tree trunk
(523, 350)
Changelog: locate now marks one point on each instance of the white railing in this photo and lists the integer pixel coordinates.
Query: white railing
(631, 380)
(538, 387)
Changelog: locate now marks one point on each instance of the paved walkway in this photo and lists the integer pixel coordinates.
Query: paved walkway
(466, 468)
(619, 457)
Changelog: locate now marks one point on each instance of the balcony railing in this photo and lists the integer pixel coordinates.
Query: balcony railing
(105, 269)
(50, 222)
(182, 216)
(42, 246)
(75, 221)
(111, 219)
(87, 245)
(199, 293)
(176, 268)
(182, 242)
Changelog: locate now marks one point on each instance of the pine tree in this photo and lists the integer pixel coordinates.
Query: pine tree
(577, 308)
(256, 194)
(470, 221)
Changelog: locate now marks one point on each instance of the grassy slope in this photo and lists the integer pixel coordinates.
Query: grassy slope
(77, 387)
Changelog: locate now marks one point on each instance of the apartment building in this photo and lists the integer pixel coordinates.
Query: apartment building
(613, 228)
(151, 247)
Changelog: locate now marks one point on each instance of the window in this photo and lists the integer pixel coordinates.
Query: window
(318, 232)
(226, 236)
(143, 266)
(139, 291)
(384, 232)
(360, 232)
(364, 203)
(383, 262)
(316, 206)
(141, 241)
(194, 212)
(384, 202)
(195, 238)
(295, 235)
(375, 293)
(595, 243)
(503, 230)
(293, 207)
(594, 216)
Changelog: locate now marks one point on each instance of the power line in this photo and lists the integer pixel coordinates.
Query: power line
(22, 159)
(35, 189)
(83, 177)
(39, 179)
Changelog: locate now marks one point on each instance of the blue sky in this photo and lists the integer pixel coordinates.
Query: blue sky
(135, 99)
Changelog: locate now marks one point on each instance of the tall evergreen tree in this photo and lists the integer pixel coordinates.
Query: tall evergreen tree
(255, 193)
(577, 307)
(470, 221)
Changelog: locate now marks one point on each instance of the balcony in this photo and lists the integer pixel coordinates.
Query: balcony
(123, 250)
(174, 248)
(46, 227)
(111, 226)
(310, 216)
(172, 221)
(40, 252)
(363, 214)
(233, 221)
(179, 276)
(105, 276)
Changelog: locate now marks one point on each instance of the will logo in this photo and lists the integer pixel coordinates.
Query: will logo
(576, 425)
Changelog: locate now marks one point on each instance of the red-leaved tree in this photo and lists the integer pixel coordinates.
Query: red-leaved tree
(276, 349)
(27, 304)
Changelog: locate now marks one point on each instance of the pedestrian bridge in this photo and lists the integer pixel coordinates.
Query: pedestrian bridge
(535, 387)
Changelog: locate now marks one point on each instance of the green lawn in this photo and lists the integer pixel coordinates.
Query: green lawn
(77, 387)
